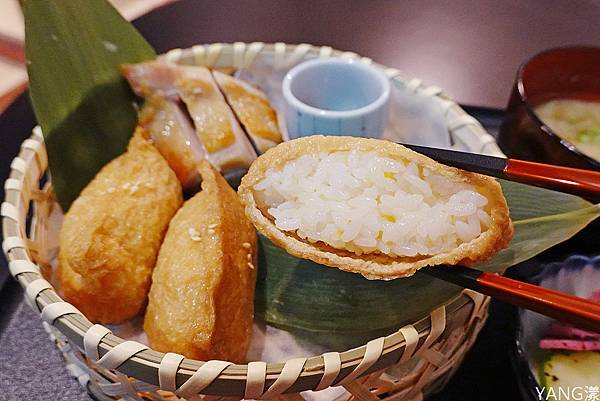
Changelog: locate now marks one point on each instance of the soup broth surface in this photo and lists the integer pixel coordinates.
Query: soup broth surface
(577, 121)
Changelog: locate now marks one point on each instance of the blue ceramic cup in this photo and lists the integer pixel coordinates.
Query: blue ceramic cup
(334, 96)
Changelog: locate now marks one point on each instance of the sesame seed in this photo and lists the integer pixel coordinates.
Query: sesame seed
(247, 245)
(250, 265)
(210, 231)
(249, 256)
(194, 235)
(213, 225)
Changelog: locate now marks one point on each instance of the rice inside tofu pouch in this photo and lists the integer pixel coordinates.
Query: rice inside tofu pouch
(373, 207)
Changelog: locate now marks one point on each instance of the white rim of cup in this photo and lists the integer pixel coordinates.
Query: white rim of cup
(298, 104)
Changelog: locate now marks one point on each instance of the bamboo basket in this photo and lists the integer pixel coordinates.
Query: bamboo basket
(409, 364)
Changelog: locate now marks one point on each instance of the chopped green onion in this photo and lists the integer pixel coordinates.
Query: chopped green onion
(589, 135)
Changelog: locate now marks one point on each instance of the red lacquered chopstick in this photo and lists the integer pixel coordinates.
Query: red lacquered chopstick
(579, 182)
(575, 181)
(580, 312)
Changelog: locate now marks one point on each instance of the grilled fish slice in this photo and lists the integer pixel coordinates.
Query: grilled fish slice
(174, 136)
(224, 141)
(227, 145)
(151, 77)
(252, 109)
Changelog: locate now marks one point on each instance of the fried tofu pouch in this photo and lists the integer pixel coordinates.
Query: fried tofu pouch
(374, 265)
(201, 302)
(111, 235)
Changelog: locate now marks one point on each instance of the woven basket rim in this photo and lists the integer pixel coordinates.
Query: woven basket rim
(29, 166)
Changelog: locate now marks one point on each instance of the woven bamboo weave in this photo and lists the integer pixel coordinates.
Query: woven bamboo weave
(414, 361)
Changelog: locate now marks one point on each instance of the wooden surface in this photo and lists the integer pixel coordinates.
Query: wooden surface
(470, 48)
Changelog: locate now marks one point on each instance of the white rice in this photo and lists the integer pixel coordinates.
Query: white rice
(366, 203)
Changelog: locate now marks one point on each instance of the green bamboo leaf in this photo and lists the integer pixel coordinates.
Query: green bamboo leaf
(526, 201)
(84, 106)
(298, 293)
(535, 235)
(303, 296)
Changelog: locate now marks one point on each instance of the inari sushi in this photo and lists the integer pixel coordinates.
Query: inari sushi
(373, 207)
(111, 234)
(202, 298)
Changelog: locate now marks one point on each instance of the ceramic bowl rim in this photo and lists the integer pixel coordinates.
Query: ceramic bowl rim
(518, 355)
(293, 73)
(531, 113)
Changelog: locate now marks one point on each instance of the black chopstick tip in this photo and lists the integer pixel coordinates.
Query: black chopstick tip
(459, 275)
